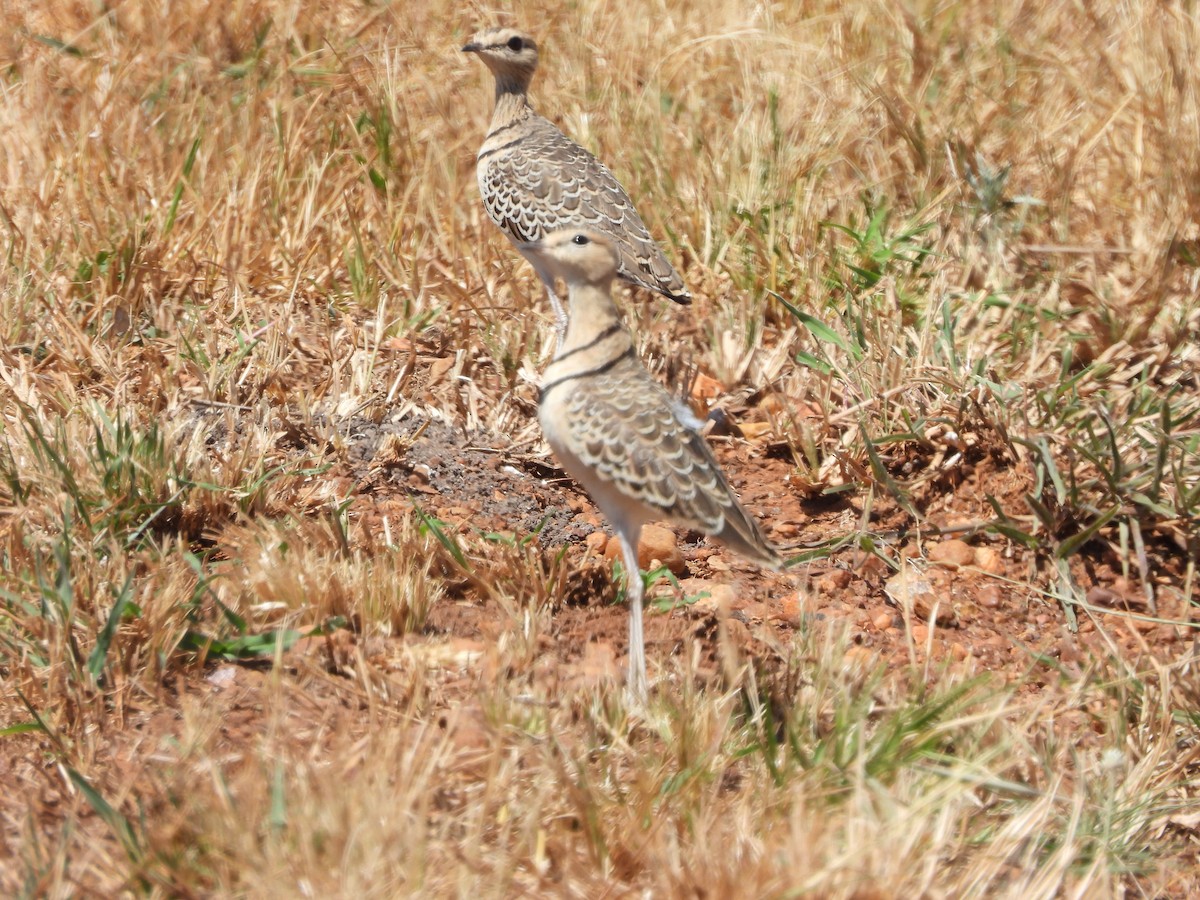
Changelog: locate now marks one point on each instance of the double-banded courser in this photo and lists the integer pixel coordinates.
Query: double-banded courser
(615, 430)
(535, 180)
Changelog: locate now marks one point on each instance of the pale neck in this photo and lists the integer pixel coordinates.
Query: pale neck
(511, 99)
(591, 312)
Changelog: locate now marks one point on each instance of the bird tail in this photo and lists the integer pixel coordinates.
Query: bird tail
(746, 538)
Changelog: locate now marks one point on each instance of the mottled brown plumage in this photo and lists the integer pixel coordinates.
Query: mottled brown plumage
(535, 180)
(643, 445)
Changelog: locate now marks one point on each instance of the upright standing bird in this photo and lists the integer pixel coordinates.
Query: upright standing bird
(615, 430)
(535, 180)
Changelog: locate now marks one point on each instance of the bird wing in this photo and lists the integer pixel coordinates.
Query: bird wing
(624, 426)
(542, 181)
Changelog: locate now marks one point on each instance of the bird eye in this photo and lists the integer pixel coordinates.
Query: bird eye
(515, 44)
(580, 239)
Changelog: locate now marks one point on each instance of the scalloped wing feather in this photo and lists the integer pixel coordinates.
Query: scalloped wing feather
(541, 181)
(623, 426)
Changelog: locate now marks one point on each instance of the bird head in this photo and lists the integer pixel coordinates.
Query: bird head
(576, 255)
(509, 53)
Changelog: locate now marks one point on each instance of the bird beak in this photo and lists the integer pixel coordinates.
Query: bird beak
(529, 246)
(683, 301)
(472, 48)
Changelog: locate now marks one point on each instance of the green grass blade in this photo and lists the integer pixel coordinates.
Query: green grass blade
(111, 816)
(434, 527)
(95, 663)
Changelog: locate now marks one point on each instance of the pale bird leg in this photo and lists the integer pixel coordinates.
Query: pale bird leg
(560, 312)
(634, 587)
(560, 319)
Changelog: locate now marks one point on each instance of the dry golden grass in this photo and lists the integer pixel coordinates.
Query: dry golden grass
(230, 228)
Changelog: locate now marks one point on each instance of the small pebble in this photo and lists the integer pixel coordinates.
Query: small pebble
(952, 554)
